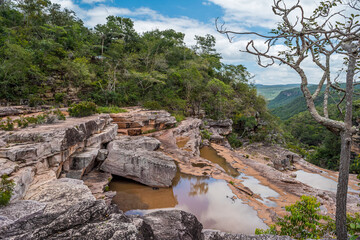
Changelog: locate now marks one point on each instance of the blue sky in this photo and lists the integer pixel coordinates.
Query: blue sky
(196, 17)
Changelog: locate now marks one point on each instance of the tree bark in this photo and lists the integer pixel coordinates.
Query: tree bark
(342, 187)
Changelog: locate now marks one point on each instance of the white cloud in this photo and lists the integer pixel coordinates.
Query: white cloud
(92, 1)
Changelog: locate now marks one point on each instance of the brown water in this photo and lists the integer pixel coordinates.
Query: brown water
(207, 198)
(210, 154)
(182, 141)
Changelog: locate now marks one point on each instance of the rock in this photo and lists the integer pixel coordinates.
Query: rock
(82, 163)
(8, 111)
(138, 121)
(133, 143)
(148, 167)
(2, 143)
(66, 209)
(107, 135)
(217, 235)
(293, 175)
(174, 225)
(102, 154)
(97, 181)
(7, 167)
(222, 127)
(22, 180)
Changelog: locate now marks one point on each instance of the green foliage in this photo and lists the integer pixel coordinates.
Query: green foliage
(355, 165)
(111, 109)
(107, 188)
(271, 231)
(179, 117)
(59, 97)
(23, 122)
(7, 125)
(353, 224)
(234, 140)
(303, 222)
(44, 48)
(6, 190)
(205, 134)
(83, 109)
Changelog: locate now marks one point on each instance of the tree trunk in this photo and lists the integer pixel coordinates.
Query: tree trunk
(342, 188)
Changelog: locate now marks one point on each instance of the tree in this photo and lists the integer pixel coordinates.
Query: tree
(319, 37)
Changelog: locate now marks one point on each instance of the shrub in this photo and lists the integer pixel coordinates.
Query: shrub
(353, 224)
(6, 190)
(152, 105)
(205, 134)
(83, 109)
(7, 125)
(234, 140)
(179, 117)
(304, 221)
(111, 109)
(59, 97)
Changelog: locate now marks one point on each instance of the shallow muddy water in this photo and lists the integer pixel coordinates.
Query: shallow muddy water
(264, 191)
(210, 154)
(210, 200)
(317, 181)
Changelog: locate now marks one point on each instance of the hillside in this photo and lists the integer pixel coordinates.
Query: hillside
(269, 92)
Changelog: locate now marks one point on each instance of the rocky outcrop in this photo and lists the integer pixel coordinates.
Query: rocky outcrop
(174, 225)
(138, 121)
(217, 235)
(218, 130)
(67, 148)
(135, 158)
(66, 209)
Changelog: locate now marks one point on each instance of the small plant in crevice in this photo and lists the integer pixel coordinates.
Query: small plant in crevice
(6, 190)
(106, 189)
(205, 134)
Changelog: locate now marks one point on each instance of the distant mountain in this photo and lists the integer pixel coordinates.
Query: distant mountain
(269, 92)
(291, 101)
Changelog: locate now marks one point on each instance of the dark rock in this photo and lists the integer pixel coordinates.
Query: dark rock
(217, 235)
(174, 225)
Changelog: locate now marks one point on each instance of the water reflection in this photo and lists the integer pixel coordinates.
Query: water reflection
(264, 191)
(207, 198)
(210, 154)
(317, 181)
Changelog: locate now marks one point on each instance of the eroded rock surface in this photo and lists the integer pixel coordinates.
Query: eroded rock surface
(174, 224)
(135, 158)
(66, 209)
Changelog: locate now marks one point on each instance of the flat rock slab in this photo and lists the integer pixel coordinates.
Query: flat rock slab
(134, 158)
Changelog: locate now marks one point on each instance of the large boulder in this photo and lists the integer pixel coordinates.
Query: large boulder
(66, 209)
(174, 225)
(134, 158)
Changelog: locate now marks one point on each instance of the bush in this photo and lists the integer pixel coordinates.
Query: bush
(83, 109)
(205, 134)
(303, 222)
(6, 190)
(111, 109)
(234, 140)
(179, 117)
(59, 97)
(7, 125)
(152, 105)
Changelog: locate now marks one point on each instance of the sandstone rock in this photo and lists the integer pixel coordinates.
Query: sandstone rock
(217, 235)
(22, 180)
(66, 209)
(133, 143)
(102, 154)
(108, 134)
(174, 225)
(150, 168)
(222, 127)
(7, 167)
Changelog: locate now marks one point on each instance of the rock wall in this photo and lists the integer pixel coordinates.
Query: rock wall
(69, 148)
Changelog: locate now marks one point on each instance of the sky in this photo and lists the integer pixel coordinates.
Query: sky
(197, 17)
